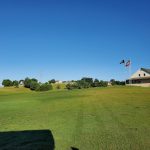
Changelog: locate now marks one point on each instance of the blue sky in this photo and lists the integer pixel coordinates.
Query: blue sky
(70, 39)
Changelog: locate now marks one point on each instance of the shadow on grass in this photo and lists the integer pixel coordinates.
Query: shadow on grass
(27, 140)
(74, 148)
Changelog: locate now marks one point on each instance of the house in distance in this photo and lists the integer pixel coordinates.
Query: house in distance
(140, 78)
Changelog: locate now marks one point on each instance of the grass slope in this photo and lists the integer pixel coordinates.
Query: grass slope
(90, 119)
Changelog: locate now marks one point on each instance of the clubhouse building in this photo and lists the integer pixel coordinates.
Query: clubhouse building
(140, 78)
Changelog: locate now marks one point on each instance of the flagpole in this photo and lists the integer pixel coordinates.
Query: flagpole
(129, 70)
(128, 66)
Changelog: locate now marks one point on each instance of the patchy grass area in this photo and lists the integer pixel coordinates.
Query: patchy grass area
(13, 90)
(89, 119)
(60, 85)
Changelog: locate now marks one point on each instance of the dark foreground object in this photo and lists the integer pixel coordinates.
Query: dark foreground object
(27, 140)
(74, 148)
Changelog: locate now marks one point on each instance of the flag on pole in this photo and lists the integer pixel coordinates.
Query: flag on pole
(128, 63)
(122, 61)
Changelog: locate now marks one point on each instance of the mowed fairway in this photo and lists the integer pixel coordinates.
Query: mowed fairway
(115, 118)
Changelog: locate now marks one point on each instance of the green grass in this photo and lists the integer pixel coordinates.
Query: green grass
(114, 118)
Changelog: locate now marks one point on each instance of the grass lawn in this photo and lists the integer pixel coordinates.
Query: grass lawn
(113, 118)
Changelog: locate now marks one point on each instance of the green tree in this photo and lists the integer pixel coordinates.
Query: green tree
(103, 83)
(27, 82)
(87, 80)
(113, 82)
(7, 83)
(83, 84)
(35, 80)
(34, 85)
(16, 83)
(44, 87)
(52, 81)
(96, 83)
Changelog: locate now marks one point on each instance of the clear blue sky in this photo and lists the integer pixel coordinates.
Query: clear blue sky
(69, 39)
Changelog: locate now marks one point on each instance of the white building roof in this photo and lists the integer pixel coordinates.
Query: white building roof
(142, 73)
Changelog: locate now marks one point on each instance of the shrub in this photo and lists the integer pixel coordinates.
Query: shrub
(103, 84)
(87, 82)
(34, 85)
(69, 86)
(113, 82)
(96, 83)
(83, 84)
(44, 87)
(16, 83)
(27, 82)
(58, 86)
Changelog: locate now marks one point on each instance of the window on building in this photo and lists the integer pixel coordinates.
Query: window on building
(144, 74)
(139, 75)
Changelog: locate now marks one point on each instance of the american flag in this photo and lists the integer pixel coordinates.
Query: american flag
(128, 63)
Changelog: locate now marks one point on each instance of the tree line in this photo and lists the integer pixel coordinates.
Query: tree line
(35, 85)
(30, 83)
(86, 83)
(90, 82)
(8, 82)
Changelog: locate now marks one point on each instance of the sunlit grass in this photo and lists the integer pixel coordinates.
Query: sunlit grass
(89, 119)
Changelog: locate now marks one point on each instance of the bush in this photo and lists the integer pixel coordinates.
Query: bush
(87, 82)
(27, 82)
(96, 83)
(113, 82)
(69, 86)
(44, 87)
(103, 84)
(16, 83)
(34, 85)
(7, 83)
(119, 83)
(83, 84)
(58, 86)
